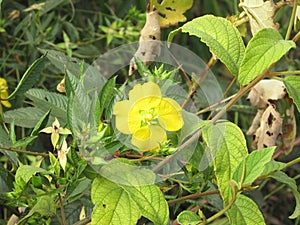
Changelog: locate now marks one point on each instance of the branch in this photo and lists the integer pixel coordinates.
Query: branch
(195, 195)
(11, 149)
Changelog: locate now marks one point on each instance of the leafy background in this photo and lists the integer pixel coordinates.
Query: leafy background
(85, 31)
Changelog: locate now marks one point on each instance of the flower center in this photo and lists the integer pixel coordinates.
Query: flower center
(148, 117)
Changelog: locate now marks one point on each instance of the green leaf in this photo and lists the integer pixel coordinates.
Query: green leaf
(253, 166)
(25, 172)
(41, 124)
(265, 48)
(291, 183)
(222, 38)
(113, 205)
(188, 218)
(24, 141)
(45, 206)
(273, 166)
(24, 117)
(292, 84)
(105, 96)
(228, 149)
(30, 77)
(244, 211)
(123, 184)
(5, 142)
(46, 100)
(80, 187)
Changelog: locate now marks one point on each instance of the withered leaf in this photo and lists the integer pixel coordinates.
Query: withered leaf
(266, 90)
(260, 14)
(171, 11)
(289, 131)
(149, 42)
(269, 130)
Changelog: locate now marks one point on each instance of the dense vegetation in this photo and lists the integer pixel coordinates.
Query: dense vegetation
(149, 112)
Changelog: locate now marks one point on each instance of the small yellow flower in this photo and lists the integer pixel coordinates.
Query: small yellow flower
(147, 115)
(55, 131)
(4, 93)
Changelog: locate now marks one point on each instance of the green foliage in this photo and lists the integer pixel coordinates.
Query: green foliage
(96, 174)
(265, 48)
(226, 43)
(112, 199)
(228, 148)
(245, 211)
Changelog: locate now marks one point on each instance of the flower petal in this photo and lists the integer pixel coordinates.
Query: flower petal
(157, 136)
(4, 95)
(121, 111)
(145, 104)
(170, 116)
(147, 89)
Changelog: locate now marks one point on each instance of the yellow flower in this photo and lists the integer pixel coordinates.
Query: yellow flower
(147, 115)
(4, 93)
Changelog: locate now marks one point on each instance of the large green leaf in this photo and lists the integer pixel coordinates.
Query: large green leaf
(24, 117)
(222, 38)
(265, 48)
(228, 149)
(30, 77)
(46, 100)
(122, 204)
(253, 166)
(127, 190)
(244, 211)
(292, 84)
(114, 205)
(291, 183)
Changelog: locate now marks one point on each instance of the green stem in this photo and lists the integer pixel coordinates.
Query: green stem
(284, 73)
(291, 24)
(293, 162)
(221, 212)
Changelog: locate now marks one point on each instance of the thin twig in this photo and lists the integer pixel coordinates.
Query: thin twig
(192, 196)
(63, 217)
(11, 149)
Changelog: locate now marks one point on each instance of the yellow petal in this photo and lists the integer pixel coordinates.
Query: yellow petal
(145, 104)
(147, 89)
(3, 95)
(157, 136)
(142, 133)
(170, 116)
(121, 111)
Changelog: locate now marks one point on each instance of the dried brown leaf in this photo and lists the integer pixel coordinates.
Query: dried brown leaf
(149, 42)
(260, 14)
(266, 90)
(270, 128)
